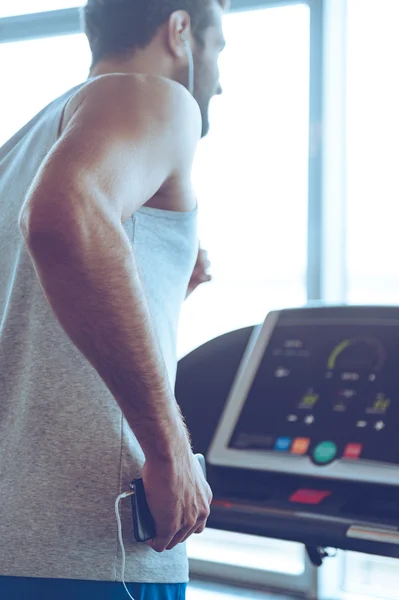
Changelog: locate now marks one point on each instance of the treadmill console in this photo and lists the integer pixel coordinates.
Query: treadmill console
(317, 393)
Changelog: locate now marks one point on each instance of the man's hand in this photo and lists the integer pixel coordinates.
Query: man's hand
(178, 496)
(201, 272)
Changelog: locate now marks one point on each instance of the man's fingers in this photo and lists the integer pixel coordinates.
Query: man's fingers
(180, 537)
(203, 259)
(195, 530)
(187, 532)
(204, 265)
(200, 277)
(168, 541)
(159, 544)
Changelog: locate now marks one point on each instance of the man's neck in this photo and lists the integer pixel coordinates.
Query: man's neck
(142, 63)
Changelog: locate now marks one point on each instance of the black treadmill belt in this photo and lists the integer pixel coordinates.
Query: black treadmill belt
(384, 506)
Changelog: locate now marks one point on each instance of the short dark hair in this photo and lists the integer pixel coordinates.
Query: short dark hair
(118, 27)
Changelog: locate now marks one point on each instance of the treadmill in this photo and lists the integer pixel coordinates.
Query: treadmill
(299, 421)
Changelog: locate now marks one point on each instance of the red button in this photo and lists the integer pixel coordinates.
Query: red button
(353, 451)
(309, 496)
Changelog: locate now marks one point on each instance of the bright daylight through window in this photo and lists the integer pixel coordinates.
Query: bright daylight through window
(251, 174)
(373, 151)
(372, 204)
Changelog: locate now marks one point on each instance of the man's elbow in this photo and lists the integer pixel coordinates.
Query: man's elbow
(24, 221)
(40, 228)
(32, 222)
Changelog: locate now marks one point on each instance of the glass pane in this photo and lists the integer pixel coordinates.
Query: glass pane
(47, 68)
(371, 576)
(251, 176)
(11, 8)
(373, 151)
(248, 551)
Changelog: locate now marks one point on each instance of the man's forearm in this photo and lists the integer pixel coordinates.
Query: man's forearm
(90, 279)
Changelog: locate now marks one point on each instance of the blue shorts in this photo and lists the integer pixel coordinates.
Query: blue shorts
(19, 588)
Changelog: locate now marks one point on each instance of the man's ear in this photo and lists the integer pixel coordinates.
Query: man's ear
(179, 32)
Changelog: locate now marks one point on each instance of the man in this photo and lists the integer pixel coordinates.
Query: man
(98, 184)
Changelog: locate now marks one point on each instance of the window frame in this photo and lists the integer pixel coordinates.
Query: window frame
(68, 22)
(40, 25)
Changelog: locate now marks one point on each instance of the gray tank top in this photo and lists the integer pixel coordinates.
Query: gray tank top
(66, 451)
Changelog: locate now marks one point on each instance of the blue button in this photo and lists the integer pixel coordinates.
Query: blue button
(283, 444)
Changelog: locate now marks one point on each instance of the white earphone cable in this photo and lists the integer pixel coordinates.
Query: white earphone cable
(191, 69)
(120, 537)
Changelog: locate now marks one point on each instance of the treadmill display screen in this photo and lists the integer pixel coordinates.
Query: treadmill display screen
(327, 391)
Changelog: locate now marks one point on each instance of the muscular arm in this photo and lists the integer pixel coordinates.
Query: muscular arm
(120, 147)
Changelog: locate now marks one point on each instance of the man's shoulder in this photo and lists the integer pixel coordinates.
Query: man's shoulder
(147, 97)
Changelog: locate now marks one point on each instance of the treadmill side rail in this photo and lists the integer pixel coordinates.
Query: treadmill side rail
(374, 534)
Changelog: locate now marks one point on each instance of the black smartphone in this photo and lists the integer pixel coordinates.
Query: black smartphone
(143, 523)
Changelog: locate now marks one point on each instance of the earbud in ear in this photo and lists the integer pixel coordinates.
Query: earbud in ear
(186, 45)
(189, 53)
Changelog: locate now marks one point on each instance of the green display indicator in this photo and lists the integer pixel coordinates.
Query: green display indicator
(309, 399)
(336, 352)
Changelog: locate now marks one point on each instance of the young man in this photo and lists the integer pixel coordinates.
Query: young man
(98, 244)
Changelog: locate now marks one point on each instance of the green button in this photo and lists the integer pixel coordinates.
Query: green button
(325, 452)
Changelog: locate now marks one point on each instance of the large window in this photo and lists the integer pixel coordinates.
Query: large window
(373, 151)
(40, 70)
(251, 176)
(248, 551)
(370, 577)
